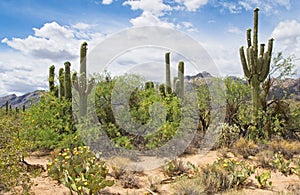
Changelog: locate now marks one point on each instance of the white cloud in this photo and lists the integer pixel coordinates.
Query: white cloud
(192, 5)
(153, 11)
(28, 64)
(107, 2)
(235, 30)
(148, 19)
(267, 6)
(155, 7)
(287, 37)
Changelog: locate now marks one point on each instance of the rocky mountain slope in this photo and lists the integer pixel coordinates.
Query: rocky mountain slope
(18, 101)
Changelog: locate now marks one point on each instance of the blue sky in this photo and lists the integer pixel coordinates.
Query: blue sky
(35, 34)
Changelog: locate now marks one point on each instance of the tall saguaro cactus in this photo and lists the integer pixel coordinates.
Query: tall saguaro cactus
(51, 79)
(257, 65)
(61, 78)
(168, 88)
(181, 78)
(80, 84)
(67, 81)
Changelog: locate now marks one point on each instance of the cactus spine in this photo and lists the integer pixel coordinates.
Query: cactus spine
(67, 81)
(51, 79)
(181, 79)
(168, 89)
(257, 65)
(80, 84)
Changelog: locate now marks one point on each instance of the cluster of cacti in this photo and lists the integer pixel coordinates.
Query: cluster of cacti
(178, 82)
(80, 84)
(257, 64)
(64, 90)
(8, 108)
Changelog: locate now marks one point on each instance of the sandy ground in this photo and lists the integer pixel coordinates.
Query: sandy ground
(43, 185)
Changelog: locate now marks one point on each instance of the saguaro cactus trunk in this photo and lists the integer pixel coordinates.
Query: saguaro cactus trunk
(257, 65)
(61, 78)
(181, 78)
(81, 84)
(168, 86)
(51, 79)
(67, 83)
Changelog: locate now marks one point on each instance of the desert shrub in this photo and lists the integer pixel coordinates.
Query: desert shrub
(228, 134)
(264, 158)
(12, 150)
(190, 186)
(296, 169)
(175, 168)
(153, 183)
(287, 148)
(118, 166)
(214, 179)
(79, 170)
(225, 174)
(129, 180)
(279, 163)
(245, 148)
(50, 125)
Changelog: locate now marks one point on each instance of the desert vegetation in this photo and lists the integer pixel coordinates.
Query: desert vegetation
(259, 136)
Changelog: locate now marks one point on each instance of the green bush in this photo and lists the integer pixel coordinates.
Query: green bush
(228, 134)
(79, 170)
(262, 179)
(12, 151)
(225, 174)
(50, 124)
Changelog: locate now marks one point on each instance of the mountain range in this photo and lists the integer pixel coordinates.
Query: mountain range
(288, 88)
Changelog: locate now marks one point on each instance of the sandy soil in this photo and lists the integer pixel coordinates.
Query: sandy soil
(281, 184)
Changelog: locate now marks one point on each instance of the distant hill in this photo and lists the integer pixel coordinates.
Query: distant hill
(285, 88)
(18, 101)
(289, 88)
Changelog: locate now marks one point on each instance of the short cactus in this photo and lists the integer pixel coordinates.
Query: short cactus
(181, 78)
(168, 89)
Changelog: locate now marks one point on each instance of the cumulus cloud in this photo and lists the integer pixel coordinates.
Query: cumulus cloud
(153, 11)
(28, 63)
(192, 5)
(267, 6)
(287, 37)
(107, 2)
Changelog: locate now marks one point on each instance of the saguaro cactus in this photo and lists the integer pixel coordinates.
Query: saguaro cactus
(81, 84)
(168, 88)
(61, 78)
(67, 81)
(181, 78)
(6, 107)
(51, 79)
(257, 65)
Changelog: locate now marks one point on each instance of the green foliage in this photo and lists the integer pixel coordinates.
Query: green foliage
(144, 108)
(237, 96)
(227, 135)
(279, 163)
(263, 178)
(49, 124)
(12, 151)
(79, 170)
(239, 171)
(282, 66)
